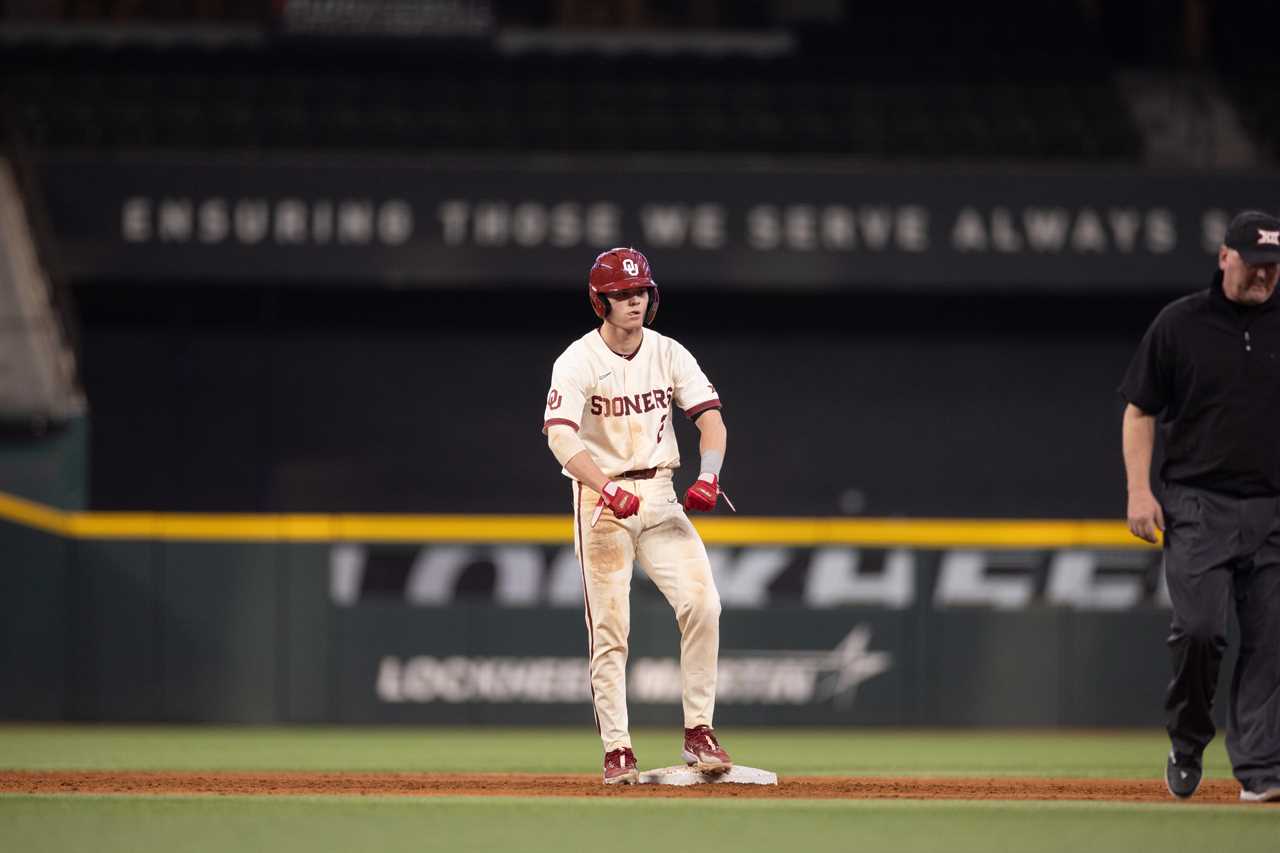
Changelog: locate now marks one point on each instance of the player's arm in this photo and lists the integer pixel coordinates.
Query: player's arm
(712, 440)
(1139, 439)
(571, 453)
(565, 405)
(697, 396)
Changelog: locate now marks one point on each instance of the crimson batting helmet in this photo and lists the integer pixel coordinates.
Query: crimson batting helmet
(620, 269)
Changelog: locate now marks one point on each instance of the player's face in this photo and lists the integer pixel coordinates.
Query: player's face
(627, 307)
(1249, 284)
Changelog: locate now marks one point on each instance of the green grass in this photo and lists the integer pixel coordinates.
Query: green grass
(177, 825)
(311, 825)
(1131, 754)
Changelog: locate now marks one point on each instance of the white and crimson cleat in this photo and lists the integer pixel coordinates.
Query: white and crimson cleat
(620, 767)
(703, 752)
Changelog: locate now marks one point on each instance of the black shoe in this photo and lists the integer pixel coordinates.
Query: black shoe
(1182, 775)
(1261, 791)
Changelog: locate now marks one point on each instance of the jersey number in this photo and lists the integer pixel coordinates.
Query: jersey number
(661, 424)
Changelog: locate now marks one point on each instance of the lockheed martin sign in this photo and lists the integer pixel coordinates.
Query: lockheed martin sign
(486, 223)
(744, 677)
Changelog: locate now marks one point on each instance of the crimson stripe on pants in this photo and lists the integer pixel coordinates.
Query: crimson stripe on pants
(586, 601)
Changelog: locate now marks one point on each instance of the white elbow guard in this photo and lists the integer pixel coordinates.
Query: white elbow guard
(564, 443)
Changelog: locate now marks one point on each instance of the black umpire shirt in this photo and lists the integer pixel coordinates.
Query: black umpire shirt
(1210, 369)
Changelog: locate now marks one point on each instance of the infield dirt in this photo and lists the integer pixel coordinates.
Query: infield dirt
(540, 785)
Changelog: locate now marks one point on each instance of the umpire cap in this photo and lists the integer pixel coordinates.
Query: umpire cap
(1256, 236)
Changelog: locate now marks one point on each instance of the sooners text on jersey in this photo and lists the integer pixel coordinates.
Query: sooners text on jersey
(620, 405)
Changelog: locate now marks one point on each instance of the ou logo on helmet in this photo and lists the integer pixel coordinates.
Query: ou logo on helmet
(630, 267)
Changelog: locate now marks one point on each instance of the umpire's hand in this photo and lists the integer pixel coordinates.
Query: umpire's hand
(1145, 515)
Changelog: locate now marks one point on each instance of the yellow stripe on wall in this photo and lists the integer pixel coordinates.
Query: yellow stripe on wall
(30, 514)
(554, 529)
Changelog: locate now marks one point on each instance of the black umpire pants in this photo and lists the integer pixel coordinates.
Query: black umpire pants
(1219, 552)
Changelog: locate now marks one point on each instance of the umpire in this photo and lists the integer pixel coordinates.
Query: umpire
(1207, 373)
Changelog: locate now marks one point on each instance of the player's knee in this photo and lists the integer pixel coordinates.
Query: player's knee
(703, 610)
(608, 646)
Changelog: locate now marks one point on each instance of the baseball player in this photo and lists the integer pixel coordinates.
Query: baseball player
(614, 394)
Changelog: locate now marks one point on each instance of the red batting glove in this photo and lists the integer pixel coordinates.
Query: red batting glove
(623, 503)
(702, 494)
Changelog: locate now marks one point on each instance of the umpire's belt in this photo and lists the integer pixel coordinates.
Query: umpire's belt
(638, 474)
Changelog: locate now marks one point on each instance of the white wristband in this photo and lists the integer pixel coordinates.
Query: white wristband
(711, 461)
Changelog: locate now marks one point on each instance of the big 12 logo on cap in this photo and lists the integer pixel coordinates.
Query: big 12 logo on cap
(1268, 238)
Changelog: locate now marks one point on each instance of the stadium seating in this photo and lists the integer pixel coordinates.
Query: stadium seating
(266, 96)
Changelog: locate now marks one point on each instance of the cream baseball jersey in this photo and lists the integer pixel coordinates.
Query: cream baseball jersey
(622, 406)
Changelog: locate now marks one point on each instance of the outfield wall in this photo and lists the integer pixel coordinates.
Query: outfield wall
(260, 619)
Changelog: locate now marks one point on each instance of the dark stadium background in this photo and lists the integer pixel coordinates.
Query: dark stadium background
(853, 386)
